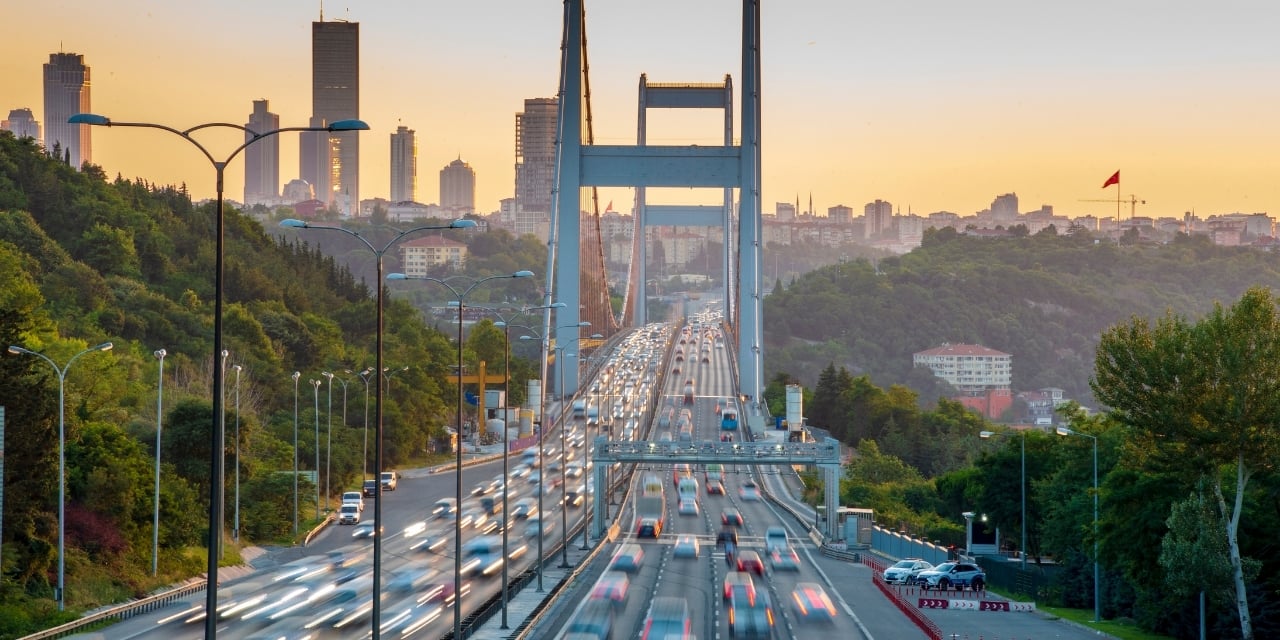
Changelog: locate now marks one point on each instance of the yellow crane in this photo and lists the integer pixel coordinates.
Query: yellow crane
(1134, 201)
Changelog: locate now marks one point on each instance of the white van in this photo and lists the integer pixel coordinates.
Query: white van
(349, 514)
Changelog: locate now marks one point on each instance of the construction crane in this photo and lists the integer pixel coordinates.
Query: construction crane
(1133, 204)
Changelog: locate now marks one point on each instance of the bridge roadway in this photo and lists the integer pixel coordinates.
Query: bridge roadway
(700, 581)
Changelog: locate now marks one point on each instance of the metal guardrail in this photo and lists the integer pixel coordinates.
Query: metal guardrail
(123, 612)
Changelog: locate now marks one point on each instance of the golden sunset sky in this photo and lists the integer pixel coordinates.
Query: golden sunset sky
(930, 105)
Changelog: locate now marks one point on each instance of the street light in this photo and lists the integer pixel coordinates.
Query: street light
(1023, 549)
(364, 465)
(461, 298)
(222, 448)
(328, 445)
(376, 613)
(155, 518)
(542, 424)
(216, 435)
(235, 520)
(504, 322)
(315, 385)
(296, 376)
(1097, 584)
(561, 357)
(62, 454)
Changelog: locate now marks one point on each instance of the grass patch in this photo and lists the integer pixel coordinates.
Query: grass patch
(428, 460)
(1120, 629)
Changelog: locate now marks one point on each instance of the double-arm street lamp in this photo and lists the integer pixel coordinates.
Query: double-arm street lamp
(215, 437)
(62, 454)
(1097, 584)
(460, 296)
(376, 614)
(1023, 549)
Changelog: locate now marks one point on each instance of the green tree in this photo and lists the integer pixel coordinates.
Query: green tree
(1202, 398)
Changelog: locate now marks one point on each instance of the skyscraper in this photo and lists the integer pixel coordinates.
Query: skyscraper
(22, 123)
(458, 188)
(66, 93)
(535, 164)
(404, 165)
(262, 159)
(878, 218)
(331, 162)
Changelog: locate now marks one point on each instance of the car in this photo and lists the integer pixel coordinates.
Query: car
(775, 537)
(750, 561)
(811, 603)
(430, 541)
(953, 574)
(365, 530)
(353, 497)
(628, 558)
(715, 489)
(525, 508)
(688, 508)
(370, 489)
(726, 437)
(483, 557)
(739, 582)
(611, 587)
(535, 525)
(389, 480)
(594, 620)
(731, 518)
(668, 618)
(727, 535)
(446, 508)
(686, 547)
(649, 528)
(575, 495)
(749, 493)
(348, 514)
(784, 559)
(906, 571)
(751, 616)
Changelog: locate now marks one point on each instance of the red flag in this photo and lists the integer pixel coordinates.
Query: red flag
(1114, 179)
(610, 207)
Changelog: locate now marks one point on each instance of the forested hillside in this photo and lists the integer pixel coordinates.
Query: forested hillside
(1044, 299)
(85, 260)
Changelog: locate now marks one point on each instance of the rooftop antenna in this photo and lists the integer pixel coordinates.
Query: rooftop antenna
(321, 10)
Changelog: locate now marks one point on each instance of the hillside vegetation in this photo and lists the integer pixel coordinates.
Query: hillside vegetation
(1044, 299)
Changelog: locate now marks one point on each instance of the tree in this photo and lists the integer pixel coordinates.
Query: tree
(1202, 398)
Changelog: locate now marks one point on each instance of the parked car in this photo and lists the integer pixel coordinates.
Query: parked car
(953, 574)
(906, 571)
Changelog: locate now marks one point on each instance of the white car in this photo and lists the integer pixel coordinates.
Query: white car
(353, 497)
(906, 571)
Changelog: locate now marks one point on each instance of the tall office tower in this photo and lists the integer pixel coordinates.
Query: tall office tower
(335, 95)
(535, 164)
(458, 188)
(22, 123)
(404, 165)
(878, 218)
(262, 159)
(66, 93)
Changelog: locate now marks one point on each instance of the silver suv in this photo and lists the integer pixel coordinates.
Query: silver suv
(953, 574)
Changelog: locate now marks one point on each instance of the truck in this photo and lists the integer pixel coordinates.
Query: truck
(579, 408)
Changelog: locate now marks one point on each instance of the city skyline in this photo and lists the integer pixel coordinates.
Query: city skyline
(935, 109)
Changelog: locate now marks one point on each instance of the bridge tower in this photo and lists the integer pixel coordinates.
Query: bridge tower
(642, 165)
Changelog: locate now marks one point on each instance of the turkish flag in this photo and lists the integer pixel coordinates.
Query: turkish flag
(1114, 179)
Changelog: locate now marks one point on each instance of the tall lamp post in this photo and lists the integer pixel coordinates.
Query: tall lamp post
(376, 613)
(155, 518)
(561, 358)
(216, 435)
(504, 323)
(1097, 583)
(587, 444)
(461, 298)
(235, 520)
(62, 454)
(296, 376)
(1022, 551)
(364, 465)
(328, 445)
(222, 447)
(315, 385)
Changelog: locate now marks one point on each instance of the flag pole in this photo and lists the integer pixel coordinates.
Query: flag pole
(1118, 189)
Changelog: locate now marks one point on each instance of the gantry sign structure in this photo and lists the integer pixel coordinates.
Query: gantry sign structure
(825, 455)
(642, 165)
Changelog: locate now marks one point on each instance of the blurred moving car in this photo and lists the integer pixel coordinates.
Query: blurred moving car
(906, 571)
(628, 558)
(365, 530)
(750, 561)
(594, 620)
(775, 537)
(688, 508)
(668, 619)
(750, 492)
(784, 559)
(611, 587)
(811, 603)
(731, 518)
(686, 547)
(738, 581)
(751, 616)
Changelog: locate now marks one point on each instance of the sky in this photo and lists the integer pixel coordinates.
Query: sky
(931, 105)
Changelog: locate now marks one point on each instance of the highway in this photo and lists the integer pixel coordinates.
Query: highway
(699, 581)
